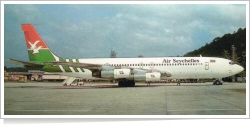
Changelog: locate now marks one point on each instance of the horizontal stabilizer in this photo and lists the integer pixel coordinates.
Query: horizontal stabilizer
(23, 63)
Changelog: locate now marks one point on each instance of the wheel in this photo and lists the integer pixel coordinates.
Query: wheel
(126, 83)
(121, 84)
(131, 83)
(217, 82)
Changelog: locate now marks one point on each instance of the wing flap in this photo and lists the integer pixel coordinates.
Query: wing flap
(163, 73)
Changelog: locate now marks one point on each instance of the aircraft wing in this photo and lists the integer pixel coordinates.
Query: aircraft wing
(163, 73)
(23, 63)
(78, 65)
(99, 67)
(89, 66)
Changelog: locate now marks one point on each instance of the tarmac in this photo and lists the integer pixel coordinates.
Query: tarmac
(161, 99)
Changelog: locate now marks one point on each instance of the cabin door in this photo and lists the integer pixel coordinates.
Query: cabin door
(206, 66)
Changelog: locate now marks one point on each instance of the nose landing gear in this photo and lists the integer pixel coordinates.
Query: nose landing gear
(217, 82)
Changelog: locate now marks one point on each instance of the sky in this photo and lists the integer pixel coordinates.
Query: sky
(93, 30)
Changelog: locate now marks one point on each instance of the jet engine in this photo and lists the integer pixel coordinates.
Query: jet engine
(116, 73)
(107, 74)
(122, 73)
(148, 77)
(130, 75)
(155, 76)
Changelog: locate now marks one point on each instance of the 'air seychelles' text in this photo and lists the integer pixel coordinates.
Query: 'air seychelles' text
(181, 61)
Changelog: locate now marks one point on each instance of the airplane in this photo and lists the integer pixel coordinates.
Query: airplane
(126, 71)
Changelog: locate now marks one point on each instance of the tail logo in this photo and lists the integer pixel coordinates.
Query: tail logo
(34, 48)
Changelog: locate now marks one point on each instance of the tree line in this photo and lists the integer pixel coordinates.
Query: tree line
(230, 46)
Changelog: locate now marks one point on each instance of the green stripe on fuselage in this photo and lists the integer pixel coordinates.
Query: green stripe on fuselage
(51, 68)
(77, 60)
(66, 68)
(56, 68)
(76, 70)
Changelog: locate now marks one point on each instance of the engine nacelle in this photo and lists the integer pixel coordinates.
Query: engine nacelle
(116, 73)
(107, 74)
(156, 76)
(126, 74)
(140, 76)
(122, 73)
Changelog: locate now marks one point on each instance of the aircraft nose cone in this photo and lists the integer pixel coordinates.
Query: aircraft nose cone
(238, 68)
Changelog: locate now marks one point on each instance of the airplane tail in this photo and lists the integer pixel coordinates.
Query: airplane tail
(37, 49)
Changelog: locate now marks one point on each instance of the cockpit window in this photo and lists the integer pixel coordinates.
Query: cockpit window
(232, 62)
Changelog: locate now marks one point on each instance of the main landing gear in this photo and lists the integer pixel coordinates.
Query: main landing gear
(148, 83)
(217, 82)
(126, 83)
(179, 84)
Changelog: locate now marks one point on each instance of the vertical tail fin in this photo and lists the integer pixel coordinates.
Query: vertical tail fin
(37, 49)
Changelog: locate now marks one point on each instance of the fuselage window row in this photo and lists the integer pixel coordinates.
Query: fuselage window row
(173, 64)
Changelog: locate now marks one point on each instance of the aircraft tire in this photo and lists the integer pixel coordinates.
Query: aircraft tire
(131, 83)
(217, 82)
(126, 83)
(121, 84)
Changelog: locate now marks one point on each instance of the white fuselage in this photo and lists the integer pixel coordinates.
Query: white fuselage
(179, 67)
